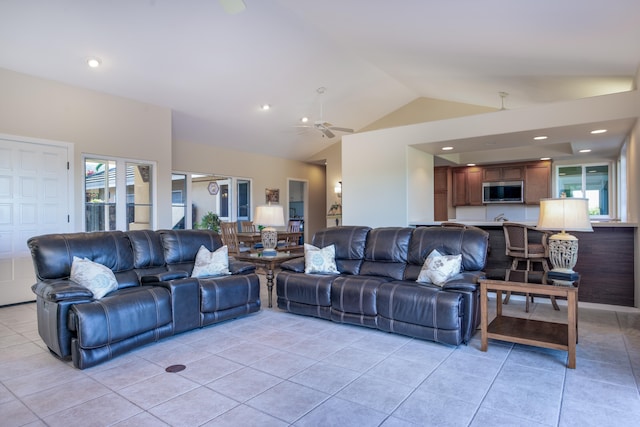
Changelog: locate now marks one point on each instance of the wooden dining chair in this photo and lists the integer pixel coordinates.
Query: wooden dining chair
(229, 232)
(247, 227)
(294, 226)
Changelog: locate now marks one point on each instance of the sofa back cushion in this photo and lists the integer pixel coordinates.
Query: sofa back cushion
(350, 242)
(386, 252)
(52, 254)
(472, 243)
(181, 246)
(148, 253)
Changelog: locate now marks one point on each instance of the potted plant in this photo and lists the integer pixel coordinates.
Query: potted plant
(210, 221)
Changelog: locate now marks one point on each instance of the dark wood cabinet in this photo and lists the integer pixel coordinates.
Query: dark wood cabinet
(503, 173)
(440, 193)
(466, 182)
(537, 182)
(467, 186)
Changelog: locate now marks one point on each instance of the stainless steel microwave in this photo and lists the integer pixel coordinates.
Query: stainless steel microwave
(503, 192)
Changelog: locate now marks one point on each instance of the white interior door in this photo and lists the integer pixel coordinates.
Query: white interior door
(34, 200)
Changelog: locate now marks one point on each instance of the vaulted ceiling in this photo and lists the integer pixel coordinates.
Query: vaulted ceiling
(214, 69)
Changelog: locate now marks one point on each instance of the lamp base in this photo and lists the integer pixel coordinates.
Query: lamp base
(269, 241)
(562, 271)
(563, 253)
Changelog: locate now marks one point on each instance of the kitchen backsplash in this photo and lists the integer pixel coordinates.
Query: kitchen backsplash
(510, 212)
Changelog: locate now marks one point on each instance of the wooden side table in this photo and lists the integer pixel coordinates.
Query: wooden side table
(270, 263)
(539, 333)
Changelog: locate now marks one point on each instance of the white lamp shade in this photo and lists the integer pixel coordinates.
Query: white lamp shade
(565, 214)
(269, 215)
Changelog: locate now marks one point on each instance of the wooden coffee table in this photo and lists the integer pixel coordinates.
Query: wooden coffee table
(270, 263)
(539, 333)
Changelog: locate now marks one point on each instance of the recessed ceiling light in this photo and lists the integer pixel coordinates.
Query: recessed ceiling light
(304, 119)
(586, 150)
(545, 158)
(597, 131)
(471, 164)
(540, 138)
(447, 148)
(94, 62)
(265, 107)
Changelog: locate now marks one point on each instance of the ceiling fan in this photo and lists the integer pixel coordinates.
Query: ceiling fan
(326, 128)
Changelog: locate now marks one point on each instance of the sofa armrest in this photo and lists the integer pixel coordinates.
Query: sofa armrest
(163, 277)
(465, 281)
(241, 267)
(185, 302)
(296, 265)
(61, 290)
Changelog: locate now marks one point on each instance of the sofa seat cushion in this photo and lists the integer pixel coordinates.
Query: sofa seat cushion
(424, 305)
(311, 289)
(356, 294)
(120, 315)
(225, 292)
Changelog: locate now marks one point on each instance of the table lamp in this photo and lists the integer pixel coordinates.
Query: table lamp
(566, 213)
(269, 216)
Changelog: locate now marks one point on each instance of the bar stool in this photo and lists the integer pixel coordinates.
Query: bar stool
(517, 246)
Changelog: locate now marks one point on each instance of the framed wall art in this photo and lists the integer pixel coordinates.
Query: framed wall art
(272, 195)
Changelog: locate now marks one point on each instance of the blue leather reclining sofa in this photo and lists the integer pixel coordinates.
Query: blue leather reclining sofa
(156, 297)
(376, 285)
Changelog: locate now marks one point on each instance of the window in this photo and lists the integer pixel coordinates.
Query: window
(244, 194)
(194, 195)
(100, 194)
(118, 194)
(587, 181)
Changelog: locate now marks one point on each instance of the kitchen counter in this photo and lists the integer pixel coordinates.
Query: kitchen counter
(485, 223)
(606, 258)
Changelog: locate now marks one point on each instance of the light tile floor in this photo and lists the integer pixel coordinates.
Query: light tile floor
(278, 369)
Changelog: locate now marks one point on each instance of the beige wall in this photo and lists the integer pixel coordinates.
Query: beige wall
(94, 123)
(264, 171)
(99, 124)
(422, 110)
(331, 157)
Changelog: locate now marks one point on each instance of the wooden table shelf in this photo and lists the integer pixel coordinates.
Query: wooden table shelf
(559, 336)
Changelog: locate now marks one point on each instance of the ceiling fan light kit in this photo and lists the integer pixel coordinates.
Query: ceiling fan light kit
(325, 127)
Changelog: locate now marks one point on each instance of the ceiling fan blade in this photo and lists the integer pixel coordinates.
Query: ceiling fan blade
(327, 132)
(339, 129)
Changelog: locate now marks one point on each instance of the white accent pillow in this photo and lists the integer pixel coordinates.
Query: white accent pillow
(318, 260)
(98, 278)
(211, 263)
(437, 268)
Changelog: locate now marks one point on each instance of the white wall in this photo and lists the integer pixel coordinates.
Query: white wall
(374, 180)
(633, 198)
(95, 123)
(374, 166)
(419, 189)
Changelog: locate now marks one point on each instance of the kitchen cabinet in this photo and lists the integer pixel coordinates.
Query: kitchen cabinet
(440, 193)
(467, 186)
(503, 173)
(537, 182)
